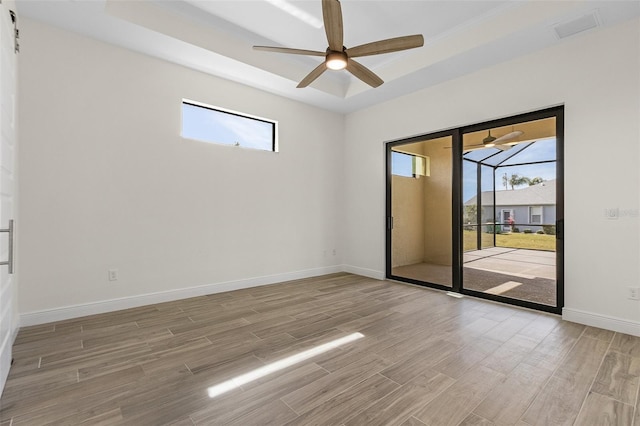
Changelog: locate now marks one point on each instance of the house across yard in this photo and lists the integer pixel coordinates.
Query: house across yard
(520, 209)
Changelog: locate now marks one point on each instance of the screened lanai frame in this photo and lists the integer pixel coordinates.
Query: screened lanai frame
(458, 206)
(496, 159)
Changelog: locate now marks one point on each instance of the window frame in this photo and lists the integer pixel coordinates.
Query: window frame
(425, 166)
(531, 215)
(274, 123)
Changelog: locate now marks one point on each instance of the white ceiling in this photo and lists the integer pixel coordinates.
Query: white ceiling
(216, 36)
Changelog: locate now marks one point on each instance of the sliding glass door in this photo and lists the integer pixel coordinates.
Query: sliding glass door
(420, 219)
(478, 210)
(510, 202)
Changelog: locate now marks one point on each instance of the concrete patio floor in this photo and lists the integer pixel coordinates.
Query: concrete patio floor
(517, 273)
(517, 262)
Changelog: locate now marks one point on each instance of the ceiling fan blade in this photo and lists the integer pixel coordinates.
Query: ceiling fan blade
(470, 148)
(317, 72)
(386, 46)
(363, 73)
(508, 137)
(477, 147)
(287, 50)
(332, 15)
(467, 148)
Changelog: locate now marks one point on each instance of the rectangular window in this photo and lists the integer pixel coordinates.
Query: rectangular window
(535, 214)
(409, 165)
(215, 125)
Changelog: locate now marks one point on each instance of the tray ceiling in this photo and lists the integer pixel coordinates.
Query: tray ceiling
(216, 37)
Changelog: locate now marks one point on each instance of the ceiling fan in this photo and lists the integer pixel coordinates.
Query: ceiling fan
(338, 57)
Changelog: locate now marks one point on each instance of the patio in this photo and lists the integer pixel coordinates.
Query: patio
(522, 263)
(516, 273)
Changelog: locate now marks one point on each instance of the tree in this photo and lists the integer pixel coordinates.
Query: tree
(517, 180)
(535, 181)
(471, 213)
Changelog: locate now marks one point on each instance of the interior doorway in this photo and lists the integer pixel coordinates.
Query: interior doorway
(8, 63)
(479, 210)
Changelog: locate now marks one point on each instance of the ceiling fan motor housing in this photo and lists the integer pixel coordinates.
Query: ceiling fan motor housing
(489, 139)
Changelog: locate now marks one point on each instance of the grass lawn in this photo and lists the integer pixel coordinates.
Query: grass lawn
(519, 240)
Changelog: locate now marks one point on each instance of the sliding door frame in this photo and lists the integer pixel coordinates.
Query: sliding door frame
(558, 114)
(457, 206)
(456, 187)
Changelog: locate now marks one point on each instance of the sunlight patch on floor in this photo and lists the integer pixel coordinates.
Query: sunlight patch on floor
(503, 288)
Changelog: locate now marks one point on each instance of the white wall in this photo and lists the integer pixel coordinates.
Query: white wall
(107, 182)
(597, 77)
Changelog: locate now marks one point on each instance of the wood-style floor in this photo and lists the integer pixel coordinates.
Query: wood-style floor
(425, 359)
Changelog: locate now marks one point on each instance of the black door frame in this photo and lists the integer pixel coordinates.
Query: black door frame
(456, 179)
(457, 205)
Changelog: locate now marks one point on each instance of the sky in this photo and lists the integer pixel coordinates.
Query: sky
(209, 125)
(401, 164)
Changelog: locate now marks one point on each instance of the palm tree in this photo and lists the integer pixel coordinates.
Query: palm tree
(517, 180)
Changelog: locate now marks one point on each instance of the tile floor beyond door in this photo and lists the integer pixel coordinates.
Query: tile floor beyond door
(420, 358)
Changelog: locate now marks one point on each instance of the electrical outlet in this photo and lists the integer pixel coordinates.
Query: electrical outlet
(612, 213)
(634, 293)
(113, 275)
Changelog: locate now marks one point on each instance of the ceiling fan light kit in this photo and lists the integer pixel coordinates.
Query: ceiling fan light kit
(337, 57)
(336, 60)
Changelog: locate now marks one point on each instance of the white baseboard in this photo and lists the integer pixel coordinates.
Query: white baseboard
(14, 333)
(76, 311)
(602, 321)
(370, 273)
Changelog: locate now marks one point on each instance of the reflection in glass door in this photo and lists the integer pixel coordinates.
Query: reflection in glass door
(421, 211)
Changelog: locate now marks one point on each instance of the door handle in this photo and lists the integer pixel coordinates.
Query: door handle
(9, 261)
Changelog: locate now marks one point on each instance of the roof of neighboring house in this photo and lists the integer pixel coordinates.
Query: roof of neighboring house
(541, 194)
